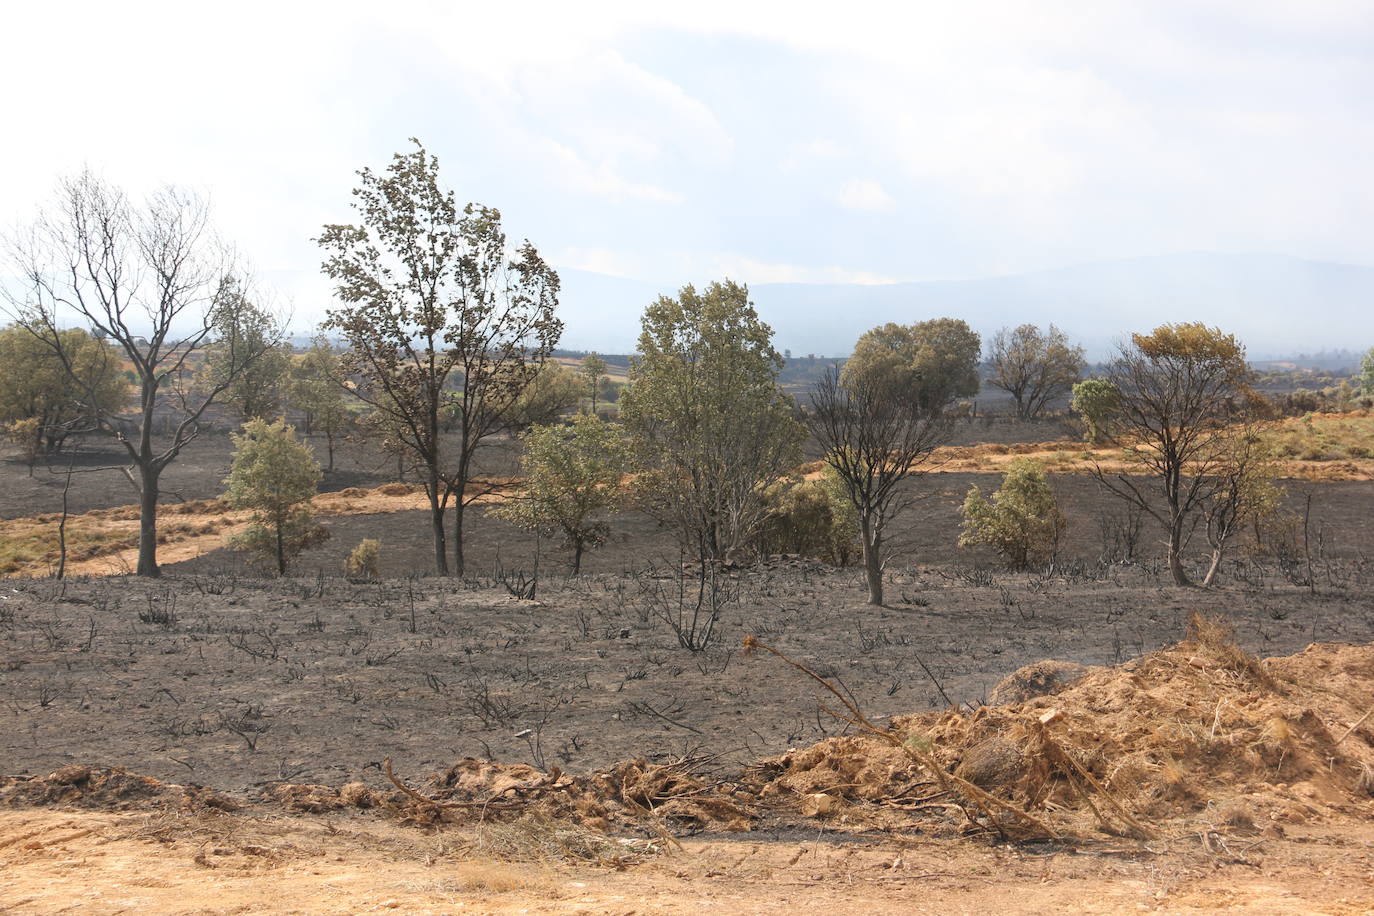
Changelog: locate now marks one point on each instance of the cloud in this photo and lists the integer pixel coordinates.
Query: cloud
(599, 180)
(864, 194)
(745, 269)
(645, 139)
(596, 260)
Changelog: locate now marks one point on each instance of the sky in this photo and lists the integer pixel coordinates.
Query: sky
(767, 142)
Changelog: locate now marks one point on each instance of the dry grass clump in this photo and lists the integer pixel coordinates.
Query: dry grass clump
(106, 788)
(1215, 638)
(399, 489)
(196, 507)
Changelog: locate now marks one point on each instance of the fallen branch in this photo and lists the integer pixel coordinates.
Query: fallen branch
(1351, 730)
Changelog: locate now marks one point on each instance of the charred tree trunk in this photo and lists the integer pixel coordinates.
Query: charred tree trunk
(147, 522)
(459, 561)
(873, 561)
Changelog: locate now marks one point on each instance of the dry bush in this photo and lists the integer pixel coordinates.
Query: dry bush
(361, 565)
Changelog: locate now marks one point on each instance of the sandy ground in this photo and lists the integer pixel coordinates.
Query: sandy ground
(54, 861)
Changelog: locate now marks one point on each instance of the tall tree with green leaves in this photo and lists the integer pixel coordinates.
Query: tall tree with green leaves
(934, 361)
(317, 390)
(438, 316)
(1367, 374)
(593, 369)
(253, 391)
(1034, 366)
(710, 423)
(36, 386)
(574, 474)
(275, 476)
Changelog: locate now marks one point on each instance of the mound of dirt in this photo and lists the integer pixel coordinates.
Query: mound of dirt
(1185, 732)
(107, 788)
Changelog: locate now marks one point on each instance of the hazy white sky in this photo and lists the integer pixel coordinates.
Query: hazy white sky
(770, 141)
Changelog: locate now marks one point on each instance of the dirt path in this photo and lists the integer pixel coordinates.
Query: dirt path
(54, 861)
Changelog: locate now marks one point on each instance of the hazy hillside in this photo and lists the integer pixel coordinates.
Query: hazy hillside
(1278, 305)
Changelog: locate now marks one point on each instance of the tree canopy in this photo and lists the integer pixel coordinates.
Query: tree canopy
(1034, 366)
(36, 384)
(708, 417)
(276, 477)
(933, 362)
(438, 316)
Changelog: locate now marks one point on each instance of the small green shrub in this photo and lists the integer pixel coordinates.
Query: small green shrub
(812, 518)
(1097, 402)
(1021, 521)
(361, 565)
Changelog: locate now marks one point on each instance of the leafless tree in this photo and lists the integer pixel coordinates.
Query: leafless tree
(150, 278)
(875, 437)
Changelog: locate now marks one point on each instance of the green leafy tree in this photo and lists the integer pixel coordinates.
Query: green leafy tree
(36, 386)
(1097, 402)
(593, 369)
(253, 391)
(934, 362)
(573, 477)
(438, 317)
(1021, 520)
(1367, 374)
(554, 391)
(317, 391)
(710, 423)
(1034, 366)
(275, 476)
(27, 436)
(1182, 388)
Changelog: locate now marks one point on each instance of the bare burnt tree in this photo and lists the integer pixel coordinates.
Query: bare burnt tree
(876, 436)
(1243, 491)
(1182, 388)
(438, 317)
(150, 279)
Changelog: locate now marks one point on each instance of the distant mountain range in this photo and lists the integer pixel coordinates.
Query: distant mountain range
(1278, 306)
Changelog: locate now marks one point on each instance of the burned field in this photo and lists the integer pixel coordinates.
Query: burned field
(543, 732)
(235, 682)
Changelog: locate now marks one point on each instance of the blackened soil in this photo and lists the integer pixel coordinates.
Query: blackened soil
(232, 682)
